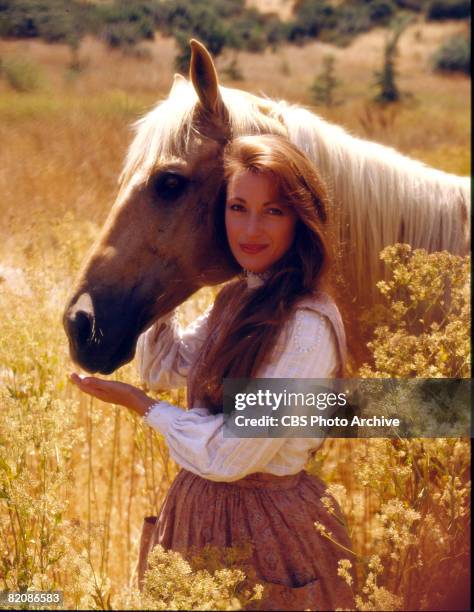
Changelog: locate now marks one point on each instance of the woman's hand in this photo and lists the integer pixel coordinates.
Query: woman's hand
(114, 392)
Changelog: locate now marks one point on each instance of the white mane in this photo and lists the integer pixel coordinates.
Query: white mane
(385, 197)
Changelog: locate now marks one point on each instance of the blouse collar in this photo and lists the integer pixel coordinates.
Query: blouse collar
(256, 279)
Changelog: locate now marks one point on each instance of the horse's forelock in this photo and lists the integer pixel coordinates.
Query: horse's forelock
(163, 133)
(166, 131)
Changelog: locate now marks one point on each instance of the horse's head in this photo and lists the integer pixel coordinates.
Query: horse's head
(164, 237)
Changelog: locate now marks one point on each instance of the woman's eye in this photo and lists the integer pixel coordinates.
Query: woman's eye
(170, 186)
(236, 207)
(276, 211)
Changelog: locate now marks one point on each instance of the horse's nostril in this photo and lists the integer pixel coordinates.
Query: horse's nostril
(81, 324)
(84, 326)
(79, 321)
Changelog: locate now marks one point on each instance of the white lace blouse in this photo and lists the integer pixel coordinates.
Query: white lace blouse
(306, 348)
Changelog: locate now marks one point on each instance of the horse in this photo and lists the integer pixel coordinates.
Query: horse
(164, 237)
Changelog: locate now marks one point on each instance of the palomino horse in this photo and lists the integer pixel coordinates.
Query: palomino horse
(164, 237)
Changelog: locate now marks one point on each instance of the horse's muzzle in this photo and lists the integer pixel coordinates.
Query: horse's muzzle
(103, 338)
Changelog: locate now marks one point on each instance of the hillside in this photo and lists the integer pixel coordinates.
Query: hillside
(433, 125)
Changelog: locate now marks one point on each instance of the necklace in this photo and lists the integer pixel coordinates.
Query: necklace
(256, 279)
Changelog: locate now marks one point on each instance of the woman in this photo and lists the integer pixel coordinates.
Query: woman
(274, 321)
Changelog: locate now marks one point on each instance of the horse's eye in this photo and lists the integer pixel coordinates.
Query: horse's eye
(170, 186)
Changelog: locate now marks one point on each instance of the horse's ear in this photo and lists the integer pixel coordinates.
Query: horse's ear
(203, 75)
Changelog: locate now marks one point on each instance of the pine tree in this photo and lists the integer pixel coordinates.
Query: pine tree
(385, 80)
(325, 83)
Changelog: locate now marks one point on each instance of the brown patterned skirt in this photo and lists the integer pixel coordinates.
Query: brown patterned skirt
(295, 563)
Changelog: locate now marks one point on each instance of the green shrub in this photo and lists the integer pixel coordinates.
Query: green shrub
(311, 18)
(21, 18)
(218, 24)
(127, 24)
(201, 20)
(449, 9)
(52, 20)
(22, 74)
(339, 23)
(378, 11)
(277, 31)
(381, 11)
(454, 55)
(58, 26)
(227, 8)
(351, 20)
(248, 32)
(119, 35)
(412, 5)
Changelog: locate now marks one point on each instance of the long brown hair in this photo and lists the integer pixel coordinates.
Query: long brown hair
(244, 322)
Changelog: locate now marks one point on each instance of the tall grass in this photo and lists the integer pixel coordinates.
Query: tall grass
(21, 73)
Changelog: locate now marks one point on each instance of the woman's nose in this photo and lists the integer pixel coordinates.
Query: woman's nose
(254, 226)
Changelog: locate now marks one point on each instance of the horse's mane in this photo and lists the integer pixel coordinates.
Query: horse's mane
(385, 197)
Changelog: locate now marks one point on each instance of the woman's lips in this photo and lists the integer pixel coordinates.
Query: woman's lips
(252, 248)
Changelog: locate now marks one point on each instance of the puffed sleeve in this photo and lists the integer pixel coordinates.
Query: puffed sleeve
(195, 437)
(312, 353)
(165, 352)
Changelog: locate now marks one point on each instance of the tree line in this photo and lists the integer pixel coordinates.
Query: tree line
(219, 24)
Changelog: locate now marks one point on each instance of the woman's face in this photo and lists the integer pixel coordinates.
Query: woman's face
(260, 227)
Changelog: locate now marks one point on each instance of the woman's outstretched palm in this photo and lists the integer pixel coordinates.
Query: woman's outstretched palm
(113, 392)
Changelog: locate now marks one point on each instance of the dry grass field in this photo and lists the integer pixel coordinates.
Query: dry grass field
(80, 475)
